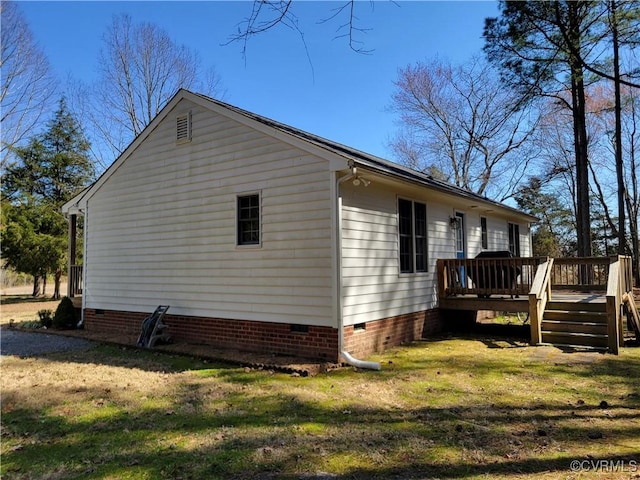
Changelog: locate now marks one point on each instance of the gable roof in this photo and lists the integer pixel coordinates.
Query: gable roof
(302, 138)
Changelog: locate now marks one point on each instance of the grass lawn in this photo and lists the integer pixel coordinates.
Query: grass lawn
(24, 308)
(449, 407)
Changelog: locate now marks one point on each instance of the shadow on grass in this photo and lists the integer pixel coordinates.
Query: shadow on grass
(277, 435)
(13, 299)
(225, 421)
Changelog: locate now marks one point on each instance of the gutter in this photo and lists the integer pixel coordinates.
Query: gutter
(346, 355)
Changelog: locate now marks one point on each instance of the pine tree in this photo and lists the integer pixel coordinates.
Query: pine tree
(541, 48)
(49, 171)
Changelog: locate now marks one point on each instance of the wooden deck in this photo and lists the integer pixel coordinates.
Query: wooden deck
(572, 302)
(497, 303)
(517, 303)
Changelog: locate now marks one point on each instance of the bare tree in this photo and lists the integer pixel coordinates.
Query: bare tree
(27, 84)
(268, 14)
(611, 141)
(141, 69)
(461, 122)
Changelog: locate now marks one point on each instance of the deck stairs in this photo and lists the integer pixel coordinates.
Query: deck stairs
(578, 322)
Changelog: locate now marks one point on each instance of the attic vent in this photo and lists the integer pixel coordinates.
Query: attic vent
(183, 128)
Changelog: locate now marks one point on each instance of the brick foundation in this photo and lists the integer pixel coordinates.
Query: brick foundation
(379, 335)
(319, 343)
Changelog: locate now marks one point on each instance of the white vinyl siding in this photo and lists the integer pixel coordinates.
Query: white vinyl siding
(373, 287)
(162, 229)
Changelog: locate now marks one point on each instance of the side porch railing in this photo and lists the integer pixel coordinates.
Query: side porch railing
(487, 276)
(75, 281)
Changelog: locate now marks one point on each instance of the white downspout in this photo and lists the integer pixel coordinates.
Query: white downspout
(346, 355)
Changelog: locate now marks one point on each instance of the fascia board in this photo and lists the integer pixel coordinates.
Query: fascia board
(443, 192)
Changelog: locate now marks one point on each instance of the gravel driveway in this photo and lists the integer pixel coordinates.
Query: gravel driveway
(25, 344)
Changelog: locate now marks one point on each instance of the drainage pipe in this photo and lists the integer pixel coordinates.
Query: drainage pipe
(346, 355)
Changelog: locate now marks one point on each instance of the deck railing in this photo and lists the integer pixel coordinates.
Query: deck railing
(75, 280)
(580, 273)
(487, 276)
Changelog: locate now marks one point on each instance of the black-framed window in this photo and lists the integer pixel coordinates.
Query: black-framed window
(412, 231)
(249, 219)
(484, 233)
(514, 239)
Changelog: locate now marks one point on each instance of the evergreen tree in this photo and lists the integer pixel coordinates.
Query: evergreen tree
(554, 235)
(542, 49)
(49, 171)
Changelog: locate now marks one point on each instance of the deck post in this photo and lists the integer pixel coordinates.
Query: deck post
(613, 307)
(534, 319)
(539, 295)
(442, 280)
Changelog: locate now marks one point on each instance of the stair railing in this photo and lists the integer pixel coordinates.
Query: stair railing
(614, 301)
(539, 295)
(619, 282)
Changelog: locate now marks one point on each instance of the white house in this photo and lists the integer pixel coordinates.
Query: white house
(262, 237)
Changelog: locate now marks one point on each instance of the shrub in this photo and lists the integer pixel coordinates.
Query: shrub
(45, 318)
(65, 316)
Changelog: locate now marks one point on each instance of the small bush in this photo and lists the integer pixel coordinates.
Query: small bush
(65, 316)
(46, 320)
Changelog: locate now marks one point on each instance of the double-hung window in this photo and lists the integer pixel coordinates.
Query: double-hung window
(249, 219)
(412, 232)
(484, 233)
(514, 239)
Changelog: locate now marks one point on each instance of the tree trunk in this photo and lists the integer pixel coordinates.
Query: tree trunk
(622, 239)
(36, 286)
(56, 288)
(583, 211)
(44, 285)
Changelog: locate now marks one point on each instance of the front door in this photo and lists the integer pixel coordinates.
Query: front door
(460, 246)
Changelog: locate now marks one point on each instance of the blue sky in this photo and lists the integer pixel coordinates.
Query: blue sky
(332, 91)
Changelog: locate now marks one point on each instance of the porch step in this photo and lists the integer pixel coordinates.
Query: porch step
(576, 316)
(575, 346)
(571, 339)
(563, 326)
(580, 306)
(575, 324)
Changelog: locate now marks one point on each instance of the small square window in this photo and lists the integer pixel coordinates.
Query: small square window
(249, 219)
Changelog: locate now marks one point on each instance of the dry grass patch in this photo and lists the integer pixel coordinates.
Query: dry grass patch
(24, 308)
(447, 408)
